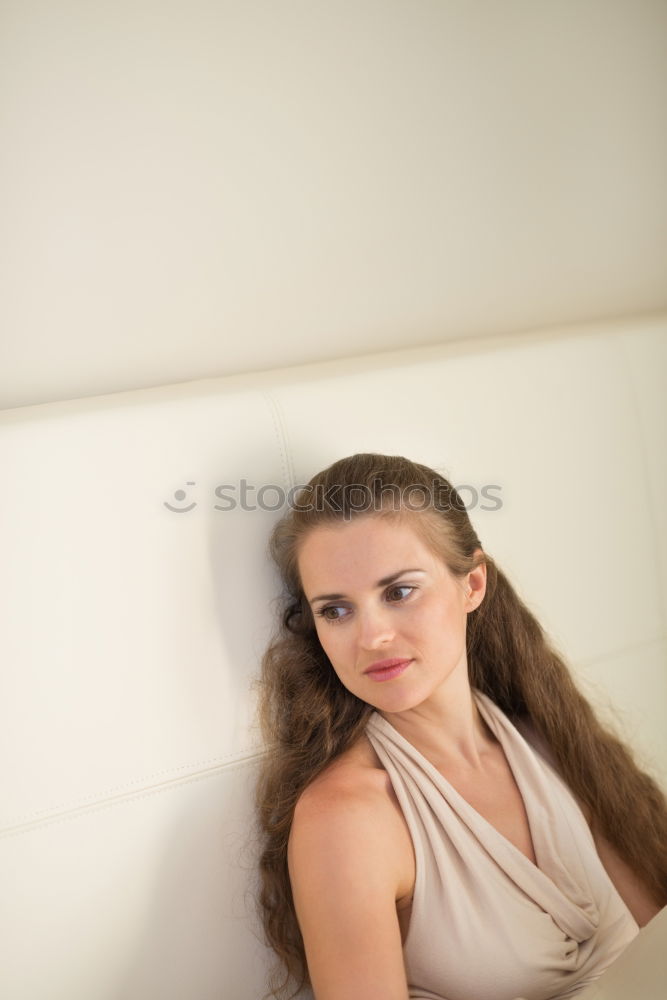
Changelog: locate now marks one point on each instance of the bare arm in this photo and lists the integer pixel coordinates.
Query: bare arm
(631, 890)
(343, 868)
(344, 865)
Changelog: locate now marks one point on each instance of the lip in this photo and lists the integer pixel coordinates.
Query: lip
(385, 670)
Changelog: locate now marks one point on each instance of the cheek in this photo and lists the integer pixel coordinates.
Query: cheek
(433, 611)
(439, 622)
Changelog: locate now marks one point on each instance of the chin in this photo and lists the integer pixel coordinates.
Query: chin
(394, 701)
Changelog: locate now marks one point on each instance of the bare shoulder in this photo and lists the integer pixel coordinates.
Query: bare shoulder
(347, 868)
(352, 788)
(357, 769)
(349, 806)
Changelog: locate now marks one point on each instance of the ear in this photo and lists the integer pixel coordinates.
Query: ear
(475, 584)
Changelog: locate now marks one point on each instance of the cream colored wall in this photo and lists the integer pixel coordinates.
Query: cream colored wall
(192, 189)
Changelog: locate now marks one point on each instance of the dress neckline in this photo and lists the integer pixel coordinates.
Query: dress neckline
(439, 779)
(561, 886)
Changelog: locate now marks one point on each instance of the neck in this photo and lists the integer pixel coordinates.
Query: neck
(447, 728)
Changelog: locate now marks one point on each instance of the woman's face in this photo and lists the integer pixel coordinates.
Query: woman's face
(378, 593)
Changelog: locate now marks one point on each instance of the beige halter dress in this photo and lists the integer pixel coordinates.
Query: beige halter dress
(486, 923)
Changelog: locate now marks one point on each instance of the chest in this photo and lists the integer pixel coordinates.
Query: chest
(502, 805)
(498, 800)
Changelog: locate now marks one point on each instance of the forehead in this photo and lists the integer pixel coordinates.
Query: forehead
(360, 552)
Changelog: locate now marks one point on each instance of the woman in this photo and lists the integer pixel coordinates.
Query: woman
(444, 817)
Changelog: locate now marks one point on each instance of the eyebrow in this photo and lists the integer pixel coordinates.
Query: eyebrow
(384, 582)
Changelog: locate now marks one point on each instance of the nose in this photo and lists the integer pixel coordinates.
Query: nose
(375, 627)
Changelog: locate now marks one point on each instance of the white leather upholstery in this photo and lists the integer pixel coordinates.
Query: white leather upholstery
(132, 632)
(640, 971)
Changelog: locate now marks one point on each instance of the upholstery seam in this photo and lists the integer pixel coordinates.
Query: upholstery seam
(658, 640)
(282, 438)
(211, 763)
(15, 830)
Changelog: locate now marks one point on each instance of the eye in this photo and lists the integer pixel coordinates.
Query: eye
(394, 594)
(396, 589)
(323, 613)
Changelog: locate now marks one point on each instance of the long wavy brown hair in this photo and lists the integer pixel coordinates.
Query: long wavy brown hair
(308, 718)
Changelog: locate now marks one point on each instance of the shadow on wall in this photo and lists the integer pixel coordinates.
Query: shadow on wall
(199, 938)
